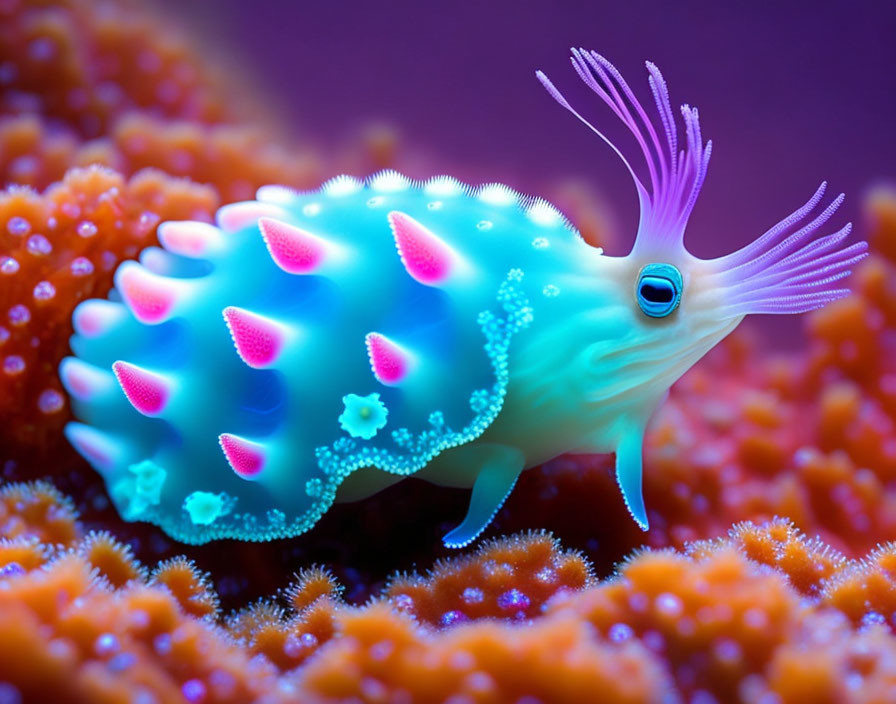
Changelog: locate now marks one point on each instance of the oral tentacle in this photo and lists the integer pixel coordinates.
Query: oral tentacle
(787, 245)
(813, 272)
(761, 244)
(818, 247)
(787, 271)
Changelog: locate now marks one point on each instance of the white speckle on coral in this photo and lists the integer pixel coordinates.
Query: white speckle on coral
(8, 266)
(50, 401)
(44, 291)
(38, 245)
(81, 266)
(18, 226)
(13, 365)
(86, 229)
(19, 315)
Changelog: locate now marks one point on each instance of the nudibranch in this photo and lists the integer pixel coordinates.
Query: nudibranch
(314, 347)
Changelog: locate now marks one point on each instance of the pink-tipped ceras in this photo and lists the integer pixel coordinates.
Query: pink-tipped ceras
(321, 346)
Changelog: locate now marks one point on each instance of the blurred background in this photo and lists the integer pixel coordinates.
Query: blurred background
(791, 93)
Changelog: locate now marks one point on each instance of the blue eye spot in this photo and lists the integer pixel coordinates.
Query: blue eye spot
(659, 290)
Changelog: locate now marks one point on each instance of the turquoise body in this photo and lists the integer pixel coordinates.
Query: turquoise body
(526, 277)
(320, 346)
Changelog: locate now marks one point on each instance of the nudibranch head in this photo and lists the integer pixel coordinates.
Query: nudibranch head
(666, 307)
(786, 270)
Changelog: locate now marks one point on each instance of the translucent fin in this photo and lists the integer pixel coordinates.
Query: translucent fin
(629, 465)
(501, 466)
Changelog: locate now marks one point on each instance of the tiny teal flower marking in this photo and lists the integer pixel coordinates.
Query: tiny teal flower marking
(363, 415)
(149, 478)
(204, 507)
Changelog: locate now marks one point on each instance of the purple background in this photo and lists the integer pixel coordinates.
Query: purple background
(791, 93)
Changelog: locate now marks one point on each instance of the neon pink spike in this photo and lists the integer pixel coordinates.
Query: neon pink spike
(390, 362)
(147, 392)
(293, 250)
(151, 298)
(246, 458)
(425, 256)
(190, 239)
(236, 216)
(258, 340)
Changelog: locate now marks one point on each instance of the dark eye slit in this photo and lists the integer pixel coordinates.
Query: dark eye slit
(657, 293)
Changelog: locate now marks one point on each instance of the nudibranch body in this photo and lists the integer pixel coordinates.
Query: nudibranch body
(313, 347)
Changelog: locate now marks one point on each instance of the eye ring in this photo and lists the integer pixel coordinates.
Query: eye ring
(658, 290)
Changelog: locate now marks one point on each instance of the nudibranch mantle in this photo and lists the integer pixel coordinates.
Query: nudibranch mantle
(320, 346)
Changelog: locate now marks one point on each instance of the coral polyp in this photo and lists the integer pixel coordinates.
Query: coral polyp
(83, 65)
(389, 328)
(56, 249)
(252, 347)
(762, 613)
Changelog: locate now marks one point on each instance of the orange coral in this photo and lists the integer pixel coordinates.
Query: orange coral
(189, 585)
(84, 64)
(33, 154)
(112, 560)
(866, 590)
(235, 159)
(289, 636)
(764, 612)
(68, 638)
(506, 578)
(57, 249)
(37, 511)
(807, 563)
(384, 657)
(748, 435)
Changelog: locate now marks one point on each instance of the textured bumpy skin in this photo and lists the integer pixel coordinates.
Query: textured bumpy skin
(320, 346)
(259, 370)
